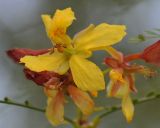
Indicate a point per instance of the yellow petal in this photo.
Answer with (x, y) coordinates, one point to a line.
(117, 89)
(114, 53)
(122, 91)
(64, 18)
(94, 93)
(128, 108)
(55, 109)
(86, 75)
(93, 38)
(50, 92)
(56, 27)
(117, 75)
(81, 99)
(56, 62)
(112, 88)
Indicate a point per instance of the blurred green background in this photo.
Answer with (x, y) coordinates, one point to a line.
(21, 26)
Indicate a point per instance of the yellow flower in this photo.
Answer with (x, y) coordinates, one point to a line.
(72, 54)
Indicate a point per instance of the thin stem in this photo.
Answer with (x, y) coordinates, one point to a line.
(22, 105)
(136, 101)
(28, 106)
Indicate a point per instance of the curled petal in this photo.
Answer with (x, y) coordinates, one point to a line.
(128, 108)
(131, 81)
(152, 54)
(55, 109)
(17, 53)
(56, 62)
(81, 99)
(111, 62)
(86, 75)
(99, 37)
(40, 78)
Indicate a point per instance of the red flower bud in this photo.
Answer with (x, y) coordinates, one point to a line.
(151, 54)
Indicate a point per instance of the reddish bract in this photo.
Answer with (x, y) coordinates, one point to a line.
(40, 78)
(17, 53)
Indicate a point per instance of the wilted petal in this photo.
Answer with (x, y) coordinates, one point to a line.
(152, 54)
(86, 75)
(131, 81)
(99, 37)
(17, 53)
(39, 78)
(128, 108)
(55, 109)
(56, 62)
(81, 99)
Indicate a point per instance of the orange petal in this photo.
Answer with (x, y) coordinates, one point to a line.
(94, 93)
(55, 109)
(81, 99)
(111, 62)
(131, 81)
(114, 53)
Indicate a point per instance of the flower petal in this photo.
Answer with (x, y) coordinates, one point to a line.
(86, 75)
(128, 108)
(55, 109)
(114, 53)
(93, 38)
(118, 89)
(117, 75)
(17, 53)
(56, 62)
(113, 88)
(50, 92)
(56, 27)
(40, 78)
(81, 99)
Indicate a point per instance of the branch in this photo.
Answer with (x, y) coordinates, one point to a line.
(150, 97)
(27, 105)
